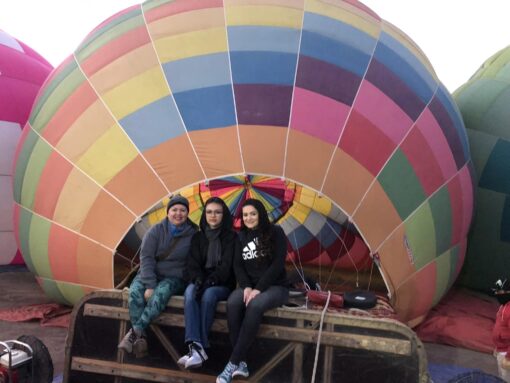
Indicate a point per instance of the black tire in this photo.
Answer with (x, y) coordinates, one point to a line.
(42, 363)
(475, 377)
(360, 299)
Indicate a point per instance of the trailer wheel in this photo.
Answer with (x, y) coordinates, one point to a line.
(42, 363)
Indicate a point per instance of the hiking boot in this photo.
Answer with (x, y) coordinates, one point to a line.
(198, 356)
(183, 359)
(226, 375)
(127, 342)
(140, 348)
(241, 371)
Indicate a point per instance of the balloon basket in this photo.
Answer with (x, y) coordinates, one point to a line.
(351, 348)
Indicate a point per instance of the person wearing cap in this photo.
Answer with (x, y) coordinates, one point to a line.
(163, 261)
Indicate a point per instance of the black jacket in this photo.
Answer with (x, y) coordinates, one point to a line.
(257, 271)
(224, 273)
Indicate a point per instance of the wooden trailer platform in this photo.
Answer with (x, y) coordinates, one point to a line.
(352, 348)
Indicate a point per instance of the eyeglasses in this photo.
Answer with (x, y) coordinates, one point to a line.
(213, 212)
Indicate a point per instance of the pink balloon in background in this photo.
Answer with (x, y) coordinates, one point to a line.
(22, 72)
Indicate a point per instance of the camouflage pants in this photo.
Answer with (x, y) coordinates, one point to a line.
(143, 313)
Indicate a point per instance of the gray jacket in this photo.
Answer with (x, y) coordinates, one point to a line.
(156, 243)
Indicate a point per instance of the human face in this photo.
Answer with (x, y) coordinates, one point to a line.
(214, 215)
(250, 217)
(177, 214)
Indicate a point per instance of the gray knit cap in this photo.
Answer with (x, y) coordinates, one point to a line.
(177, 200)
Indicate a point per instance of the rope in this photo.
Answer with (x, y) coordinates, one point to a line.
(300, 271)
(319, 337)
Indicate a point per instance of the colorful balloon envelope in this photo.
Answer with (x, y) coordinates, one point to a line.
(22, 72)
(170, 95)
(484, 102)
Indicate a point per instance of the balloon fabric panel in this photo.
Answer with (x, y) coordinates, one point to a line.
(433, 134)
(62, 248)
(53, 178)
(74, 78)
(34, 168)
(317, 115)
(136, 185)
(70, 110)
(422, 159)
(357, 181)
(302, 167)
(78, 187)
(442, 215)
(400, 183)
(10, 134)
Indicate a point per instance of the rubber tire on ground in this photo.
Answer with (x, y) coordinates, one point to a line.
(42, 363)
(475, 377)
(360, 299)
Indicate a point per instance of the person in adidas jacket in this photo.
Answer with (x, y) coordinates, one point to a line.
(259, 266)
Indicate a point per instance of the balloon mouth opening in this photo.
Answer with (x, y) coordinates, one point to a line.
(324, 251)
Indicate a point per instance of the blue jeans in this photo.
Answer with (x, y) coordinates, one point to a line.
(199, 316)
(143, 313)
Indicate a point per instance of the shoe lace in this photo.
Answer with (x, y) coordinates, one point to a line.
(231, 367)
(197, 348)
(190, 348)
(132, 336)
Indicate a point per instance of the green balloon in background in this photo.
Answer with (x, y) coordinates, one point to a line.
(484, 102)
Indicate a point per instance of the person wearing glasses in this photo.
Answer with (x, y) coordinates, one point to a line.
(259, 265)
(211, 275)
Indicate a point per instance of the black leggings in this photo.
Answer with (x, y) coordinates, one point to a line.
(244, 322)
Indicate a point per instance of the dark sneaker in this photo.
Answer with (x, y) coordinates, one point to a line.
(127, 342)
(198, 356)
(241, 371)
(140, 348)
(226, 375)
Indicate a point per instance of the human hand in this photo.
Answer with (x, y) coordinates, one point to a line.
(252, 295)
(247, 292)
(209, 282)
(148, 294)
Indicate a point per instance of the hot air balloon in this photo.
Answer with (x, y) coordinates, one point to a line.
(169, 96)
(484, 103)
(22, 72)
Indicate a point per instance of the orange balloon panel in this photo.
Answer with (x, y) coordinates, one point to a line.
(262, 148)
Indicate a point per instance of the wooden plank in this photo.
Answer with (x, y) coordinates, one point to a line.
(356, 321)
(272, 363)
(329, 338)
(167, 345)
(134, 371)
(328, 359)
(297, 371)
(122, 332)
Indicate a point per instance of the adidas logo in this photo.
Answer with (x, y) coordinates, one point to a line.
(250, 250)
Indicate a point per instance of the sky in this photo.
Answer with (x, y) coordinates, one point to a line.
(457, 36)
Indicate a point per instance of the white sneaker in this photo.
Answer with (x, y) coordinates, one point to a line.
(183, 359)
(198, 356)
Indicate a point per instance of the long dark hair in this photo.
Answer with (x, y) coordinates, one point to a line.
(226, 221)
(264, 226)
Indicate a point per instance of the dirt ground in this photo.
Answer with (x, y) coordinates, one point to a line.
(20, 289)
